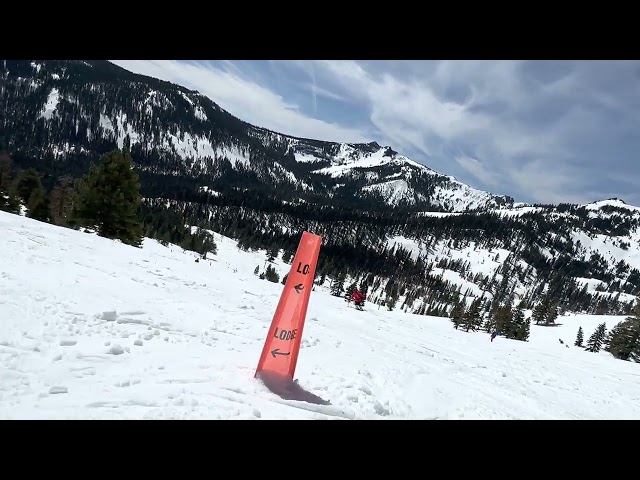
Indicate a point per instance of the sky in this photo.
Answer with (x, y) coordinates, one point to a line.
(540, 131)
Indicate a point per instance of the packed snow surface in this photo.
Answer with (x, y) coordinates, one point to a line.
(94, 329)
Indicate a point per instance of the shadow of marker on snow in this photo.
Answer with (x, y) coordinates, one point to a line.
(287, 389)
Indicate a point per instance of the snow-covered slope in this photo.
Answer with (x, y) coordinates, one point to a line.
(612, 203)
(396, 177)
(91, 328)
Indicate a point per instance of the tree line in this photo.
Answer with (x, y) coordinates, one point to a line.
(106, 200)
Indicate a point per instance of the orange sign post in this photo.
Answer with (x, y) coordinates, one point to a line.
(281, 347)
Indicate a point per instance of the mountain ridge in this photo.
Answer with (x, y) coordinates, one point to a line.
(198, 145)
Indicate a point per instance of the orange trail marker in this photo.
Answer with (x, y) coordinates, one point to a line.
(281, 347)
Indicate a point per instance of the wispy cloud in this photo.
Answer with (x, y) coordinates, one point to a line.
(314, 89)
(322, 92)
(475, 168)
(246, 99)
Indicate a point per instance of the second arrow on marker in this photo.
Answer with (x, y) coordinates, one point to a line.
(277, 351)
(298, 287)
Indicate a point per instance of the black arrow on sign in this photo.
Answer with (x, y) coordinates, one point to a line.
(298, 287)
(278, 352)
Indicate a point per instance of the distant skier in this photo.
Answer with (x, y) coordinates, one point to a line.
(358, 299)
(494, 335)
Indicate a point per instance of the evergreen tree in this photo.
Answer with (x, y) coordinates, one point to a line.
(624, 339)
(338, 284)
(456, 314)
(504, 321)
(6, 165)
(551, 314)
(271, 274)
(594, 344)
(38, 205)
(6, 202)
(25, 183)
(580, 338)
(272, 253)
(538, 313)
(287, 255)
(108, 199)
(284, 279)
(490, 323)
(471, 319)
(520, 326)
(27, 187)
(10, 201)
(541, 310)
(62, 200)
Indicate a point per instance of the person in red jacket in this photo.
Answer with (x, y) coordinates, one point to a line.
(358, 299)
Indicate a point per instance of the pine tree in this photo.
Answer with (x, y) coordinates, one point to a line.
(287, 255)
(6, 165)
(594, 344)
(338, 285)
(272, 254)
(7, 203)
(10, 201)
(271, 274)
(520, 326)
(471, 319)
(108, 199)
(256, 270)
(27, 187)
(580, 338)
(551, 314)
(504, 321)
(38, 205)
(62, 200)
(540, 311)
(490, 323)
(284, 279)
(25, 183)
(456, 314)
(623, 341)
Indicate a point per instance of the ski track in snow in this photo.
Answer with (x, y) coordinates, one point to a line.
(94, 329)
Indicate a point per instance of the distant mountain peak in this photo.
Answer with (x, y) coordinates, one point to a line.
(611, 202)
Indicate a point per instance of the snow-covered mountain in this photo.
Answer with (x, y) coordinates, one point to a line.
(76, 109)
(395, 177)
